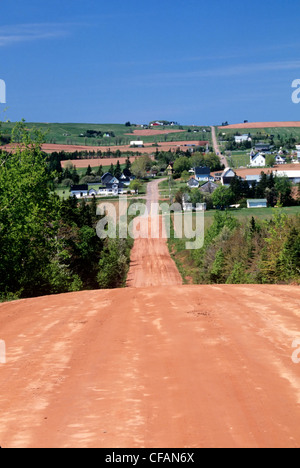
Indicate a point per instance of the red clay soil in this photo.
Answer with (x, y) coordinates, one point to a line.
(159, 366)
(151, 263)
(262, 125)
(173, 366)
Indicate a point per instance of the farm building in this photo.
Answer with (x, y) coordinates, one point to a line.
(294, 176)
(137, 144)
(263, 148)
(259, 203)
(79, 191)
(227, 176)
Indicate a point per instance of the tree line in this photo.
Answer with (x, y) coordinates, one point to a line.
(49, 245)
(251, 252)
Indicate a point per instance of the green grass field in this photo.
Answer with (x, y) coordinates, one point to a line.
(244, 215)
(265, 132)
(69, 134)
(239, 159)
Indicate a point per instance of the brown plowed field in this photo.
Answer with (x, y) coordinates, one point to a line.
(159, 366)
(263, 125)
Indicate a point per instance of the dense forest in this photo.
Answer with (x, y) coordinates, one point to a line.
(49, 245)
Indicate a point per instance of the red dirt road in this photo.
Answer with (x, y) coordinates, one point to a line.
(171, 366)
(151, 263)
(159, 366)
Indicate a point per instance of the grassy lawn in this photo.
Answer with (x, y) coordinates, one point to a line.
(239, 159)
(166, 188)
(245, 214)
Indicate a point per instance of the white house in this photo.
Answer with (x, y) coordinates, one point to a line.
(259, 160)
(193, 183)
(202, 174)
(280, 159)
(242, 139)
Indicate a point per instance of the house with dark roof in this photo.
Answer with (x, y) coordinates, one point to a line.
(263, 148)
(79, 191)
(106, 178)
(193, 183)
(202, 174)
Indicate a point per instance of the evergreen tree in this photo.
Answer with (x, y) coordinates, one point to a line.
(89, 171)
(118, 170)
(128, 163)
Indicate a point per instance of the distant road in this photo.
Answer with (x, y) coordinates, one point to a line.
(216, 147)
(151, 262)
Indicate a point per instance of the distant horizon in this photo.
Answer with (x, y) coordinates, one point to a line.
(140, 124)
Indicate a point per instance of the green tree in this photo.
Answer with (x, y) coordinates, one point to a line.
(182, 164)
(89, 171)
(114, 264)
(141, 166)
(223, 197)
(118, 170)
(135, 185)
(270, 160)
(284, 189)
(27, 231)
(185, 176)
(196, 196)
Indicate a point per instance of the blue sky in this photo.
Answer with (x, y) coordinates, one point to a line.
(193, 61)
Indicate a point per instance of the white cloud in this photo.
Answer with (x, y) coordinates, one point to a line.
(14, 34)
